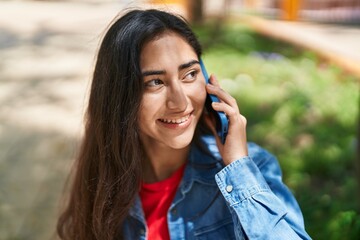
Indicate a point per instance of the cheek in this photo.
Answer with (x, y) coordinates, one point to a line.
(145, 122)
(148, 109)
(144, 114)
(198, 94)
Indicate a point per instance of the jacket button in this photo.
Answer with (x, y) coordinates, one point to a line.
(229, 188)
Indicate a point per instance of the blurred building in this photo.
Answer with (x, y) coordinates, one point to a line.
(328, 11)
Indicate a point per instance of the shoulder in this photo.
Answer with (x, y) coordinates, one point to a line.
(261, 157)
(265, 161)
(207, 153)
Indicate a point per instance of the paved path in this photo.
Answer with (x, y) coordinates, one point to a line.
(46, 57)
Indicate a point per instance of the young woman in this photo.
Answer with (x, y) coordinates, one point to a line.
(149, 167)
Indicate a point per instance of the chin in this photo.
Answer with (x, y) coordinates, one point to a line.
(179, 142)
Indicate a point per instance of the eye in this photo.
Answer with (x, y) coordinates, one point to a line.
(191, 76)
(154, 83)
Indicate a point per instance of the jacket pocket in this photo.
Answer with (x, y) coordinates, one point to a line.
(222, 230)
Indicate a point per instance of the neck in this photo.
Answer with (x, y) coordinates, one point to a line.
(162, 162)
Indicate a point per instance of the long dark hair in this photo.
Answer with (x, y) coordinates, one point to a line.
(107, 172)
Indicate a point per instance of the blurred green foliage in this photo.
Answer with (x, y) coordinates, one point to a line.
(303, 110)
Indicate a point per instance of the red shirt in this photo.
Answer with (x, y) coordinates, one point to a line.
(156, 199)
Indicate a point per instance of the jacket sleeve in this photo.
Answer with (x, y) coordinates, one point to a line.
(260, 203)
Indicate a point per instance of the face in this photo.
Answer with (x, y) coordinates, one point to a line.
(174, 94)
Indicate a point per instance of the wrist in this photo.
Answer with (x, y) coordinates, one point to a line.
(231, 159)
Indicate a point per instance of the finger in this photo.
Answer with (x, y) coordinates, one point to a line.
(232, 113)
(221, 94)
(213, 80)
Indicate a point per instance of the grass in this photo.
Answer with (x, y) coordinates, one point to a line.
(303, 110)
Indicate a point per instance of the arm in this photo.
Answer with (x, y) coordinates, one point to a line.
(261, 205)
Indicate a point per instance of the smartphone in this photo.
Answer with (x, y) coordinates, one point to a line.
(222, 123)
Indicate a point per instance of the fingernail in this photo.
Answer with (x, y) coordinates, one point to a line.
(215, 104)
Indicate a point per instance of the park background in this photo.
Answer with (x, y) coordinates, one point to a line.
(292, 65)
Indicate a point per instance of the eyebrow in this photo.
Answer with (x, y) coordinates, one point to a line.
(160, 72)
(189, 64)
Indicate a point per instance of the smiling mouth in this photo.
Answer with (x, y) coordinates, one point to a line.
(175, 120)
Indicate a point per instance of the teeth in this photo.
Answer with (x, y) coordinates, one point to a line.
(177, 121)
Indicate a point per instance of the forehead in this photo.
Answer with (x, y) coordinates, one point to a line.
(165, 48)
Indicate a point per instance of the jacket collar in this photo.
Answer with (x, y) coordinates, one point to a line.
(204, 162)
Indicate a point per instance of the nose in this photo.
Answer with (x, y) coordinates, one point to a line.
(176, 98)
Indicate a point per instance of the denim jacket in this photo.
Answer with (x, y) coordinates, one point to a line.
(244, 200)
